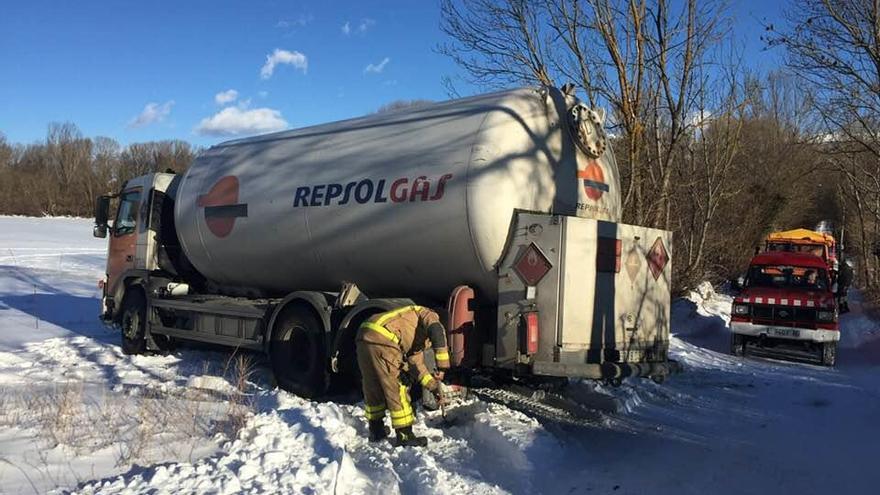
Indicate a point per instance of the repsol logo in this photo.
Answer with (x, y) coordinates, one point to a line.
(366, 191)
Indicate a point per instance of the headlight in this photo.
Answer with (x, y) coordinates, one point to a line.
(740, 309)
(825, 315)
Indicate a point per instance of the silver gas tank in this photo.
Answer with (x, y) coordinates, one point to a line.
(409, 203)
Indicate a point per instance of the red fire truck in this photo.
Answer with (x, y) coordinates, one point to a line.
(786, 308)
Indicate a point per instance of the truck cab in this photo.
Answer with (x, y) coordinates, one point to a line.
(142, 206)
(786, 308)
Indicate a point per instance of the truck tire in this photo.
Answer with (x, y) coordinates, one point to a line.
(829, 353)
(133, 322)
(298, 354)
(737, 345)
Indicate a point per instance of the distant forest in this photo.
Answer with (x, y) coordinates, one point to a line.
(63, 174)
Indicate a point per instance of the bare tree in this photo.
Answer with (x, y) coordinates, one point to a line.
(833, 46)
(637, 56)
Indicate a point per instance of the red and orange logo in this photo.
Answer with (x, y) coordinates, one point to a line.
(222, 207)
(593, 181)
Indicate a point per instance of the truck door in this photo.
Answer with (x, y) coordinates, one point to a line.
(123, 241)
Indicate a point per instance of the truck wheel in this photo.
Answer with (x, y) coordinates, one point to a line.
(737, 345)
(829, 353)
(298, 355)
(133, 323)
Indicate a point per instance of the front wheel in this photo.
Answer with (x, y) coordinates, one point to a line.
(829, 353)
(298, 355)
(133, 324)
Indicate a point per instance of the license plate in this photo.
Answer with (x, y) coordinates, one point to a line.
(785, 332)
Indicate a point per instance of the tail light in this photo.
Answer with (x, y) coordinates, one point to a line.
(532, 332)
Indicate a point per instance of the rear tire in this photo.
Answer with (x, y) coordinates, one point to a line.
(737, 345)
(133, 322)
(829, 353)
(298, 354)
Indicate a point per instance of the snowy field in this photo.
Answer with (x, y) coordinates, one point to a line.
(76, 415)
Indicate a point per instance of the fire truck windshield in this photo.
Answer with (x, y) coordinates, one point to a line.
(787, 277)
(814, 249)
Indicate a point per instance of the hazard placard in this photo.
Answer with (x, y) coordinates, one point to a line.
(657, 258)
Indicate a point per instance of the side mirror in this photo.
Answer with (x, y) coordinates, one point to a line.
(102, 212)
(834, 287)
(740, 282)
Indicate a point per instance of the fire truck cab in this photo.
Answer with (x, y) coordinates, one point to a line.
(787, 308)
(804, 241)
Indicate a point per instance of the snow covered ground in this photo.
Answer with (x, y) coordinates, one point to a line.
(77, 415)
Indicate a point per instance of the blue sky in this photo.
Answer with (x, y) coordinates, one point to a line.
(138, 71)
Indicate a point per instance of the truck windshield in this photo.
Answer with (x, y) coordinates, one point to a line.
(814, 249)
(787, 277)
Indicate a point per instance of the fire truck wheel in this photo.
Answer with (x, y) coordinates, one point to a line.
(297, 352)
(737, 345)
(829, 353)
(133, 323)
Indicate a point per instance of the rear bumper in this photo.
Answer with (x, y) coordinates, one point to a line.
(606, 371)
(770, 331)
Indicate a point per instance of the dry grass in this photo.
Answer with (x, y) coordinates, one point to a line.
(142, 425)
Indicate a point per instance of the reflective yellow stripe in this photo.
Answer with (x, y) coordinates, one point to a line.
(425, 380)
(391, 314)
(382, 330)
(441, 356)
(375, 415)
(402, 422)
(404, 400)
(380, 407)
(403, 417)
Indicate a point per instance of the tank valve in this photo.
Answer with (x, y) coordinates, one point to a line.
(586, 127)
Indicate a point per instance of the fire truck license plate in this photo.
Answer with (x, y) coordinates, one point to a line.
(785, 332)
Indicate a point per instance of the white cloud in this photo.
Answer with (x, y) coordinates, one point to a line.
(152, 113)
(279, 57)
(365, 24)
(225, 97)
(361, 27)
(377, 68)
(300, 21)
(233, 121)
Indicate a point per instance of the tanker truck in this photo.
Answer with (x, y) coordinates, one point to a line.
(500, 210)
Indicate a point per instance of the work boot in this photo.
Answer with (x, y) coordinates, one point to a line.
(406, 438)
(378, 430)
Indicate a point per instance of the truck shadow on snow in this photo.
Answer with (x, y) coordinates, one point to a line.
(75, 313)
(93, 341)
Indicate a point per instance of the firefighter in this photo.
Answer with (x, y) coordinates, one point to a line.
(844, 281)
(390, 355)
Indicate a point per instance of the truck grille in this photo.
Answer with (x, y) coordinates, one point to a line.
(783, 314)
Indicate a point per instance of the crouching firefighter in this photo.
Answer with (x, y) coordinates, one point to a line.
(390, 355)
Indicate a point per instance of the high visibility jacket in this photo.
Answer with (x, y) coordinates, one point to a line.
(411, 329)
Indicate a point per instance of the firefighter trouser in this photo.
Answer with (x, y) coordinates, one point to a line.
(380, 368)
